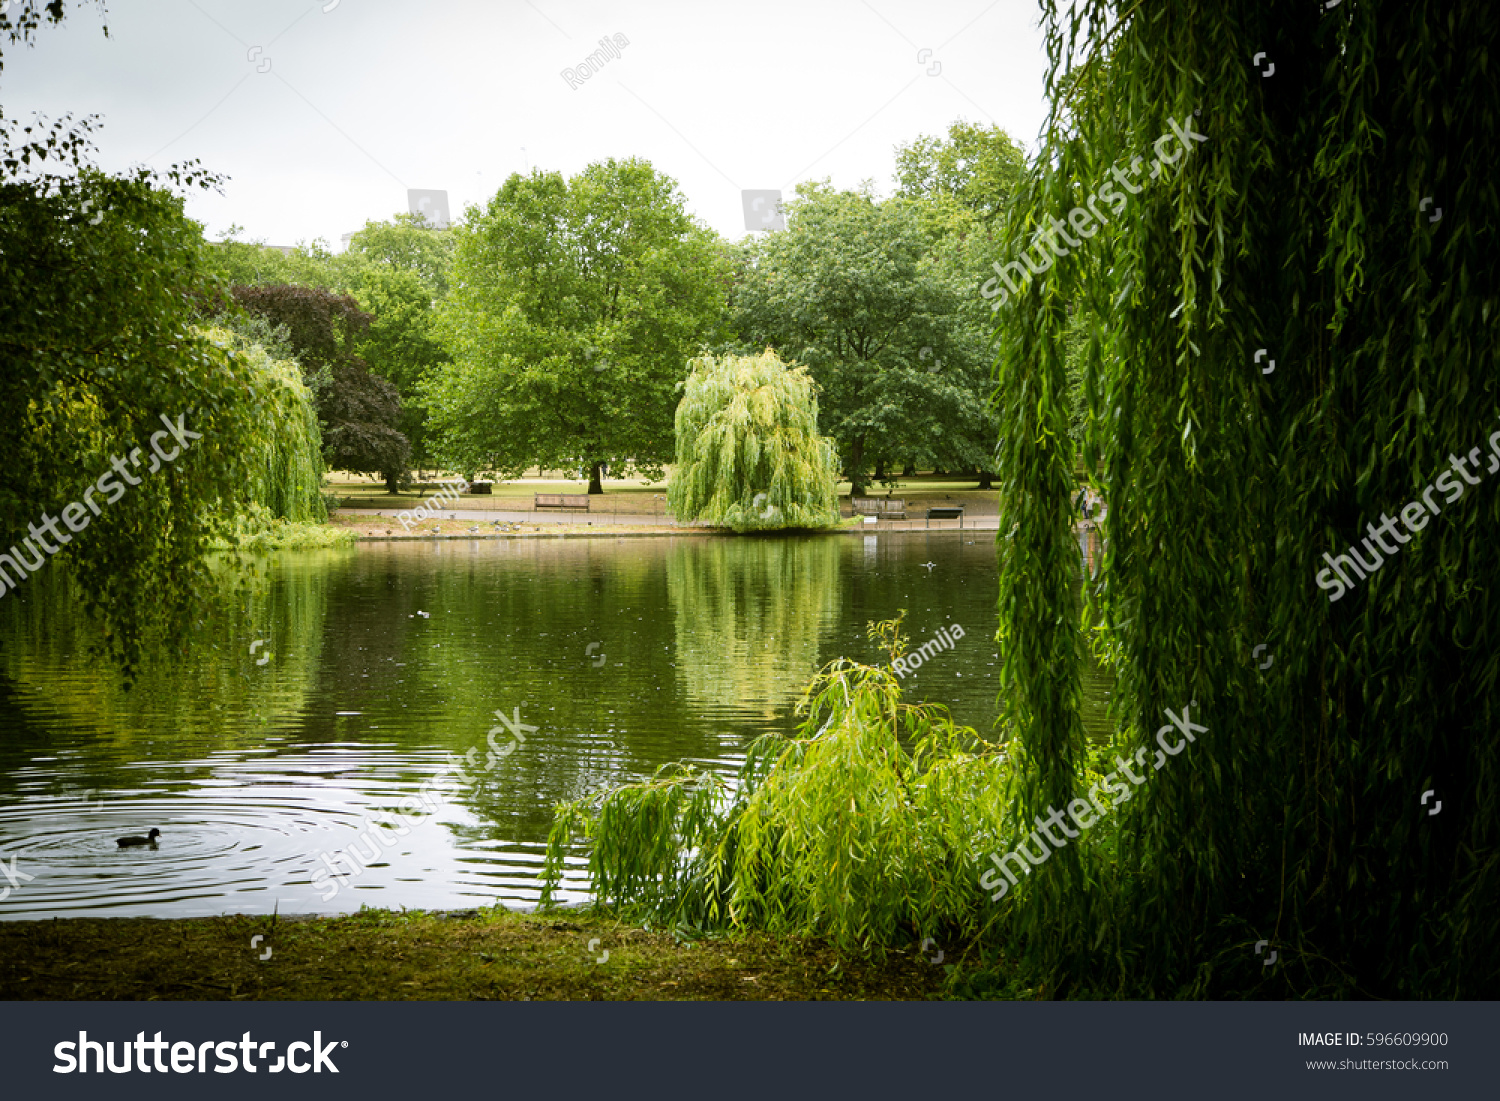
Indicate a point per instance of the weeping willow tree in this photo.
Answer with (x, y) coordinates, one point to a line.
(749, 456)
(283, 502)
(1293, 347)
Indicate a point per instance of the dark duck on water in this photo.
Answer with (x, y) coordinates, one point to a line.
(132, 842)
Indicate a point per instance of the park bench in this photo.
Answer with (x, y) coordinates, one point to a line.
(946, 512)
(892, 508)
(561, 500)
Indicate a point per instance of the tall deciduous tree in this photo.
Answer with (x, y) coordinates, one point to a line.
(396, 271)
(400, 344)
(968, 179)
(575, 307)
(749, 456)
(402, 244)
(1336, 217)
(893, 337)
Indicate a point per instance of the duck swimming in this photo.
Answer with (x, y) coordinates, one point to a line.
(131, 842)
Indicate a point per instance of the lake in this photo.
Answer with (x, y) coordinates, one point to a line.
(340, 682)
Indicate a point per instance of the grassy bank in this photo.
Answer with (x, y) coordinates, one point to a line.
(381, 955)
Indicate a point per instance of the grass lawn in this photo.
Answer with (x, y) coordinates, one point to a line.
(382, 955)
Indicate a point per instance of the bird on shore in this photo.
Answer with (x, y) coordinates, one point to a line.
(133, 842)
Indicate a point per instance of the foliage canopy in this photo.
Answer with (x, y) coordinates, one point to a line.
(358, 409)
(1298, 227)
(575, 307)
(749, 456)
(859, 829)
(853, 289)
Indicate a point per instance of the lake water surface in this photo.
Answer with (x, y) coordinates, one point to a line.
(344, 680)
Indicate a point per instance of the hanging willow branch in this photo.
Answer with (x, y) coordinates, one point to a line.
(286, 465)
(1288, 344)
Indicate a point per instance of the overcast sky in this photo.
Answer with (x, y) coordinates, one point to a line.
(324, 119)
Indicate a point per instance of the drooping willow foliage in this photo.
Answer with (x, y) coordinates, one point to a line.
(860, 829)
(749, 456)
(284, 502)
(1342, 216)
(287, 476)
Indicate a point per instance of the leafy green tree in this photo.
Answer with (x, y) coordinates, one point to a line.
(358, 410)
(893, 338)
(254, 263)
(286, 474)
(859, 830)
(749, 456)
(401, 343)
(97, 354)
(402, 244)
(575, 307)
(1323, 707)
(964, 183)
(396, 271)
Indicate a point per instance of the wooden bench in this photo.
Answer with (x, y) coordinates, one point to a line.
(946, 512)
(561, 500)
(892, 508)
